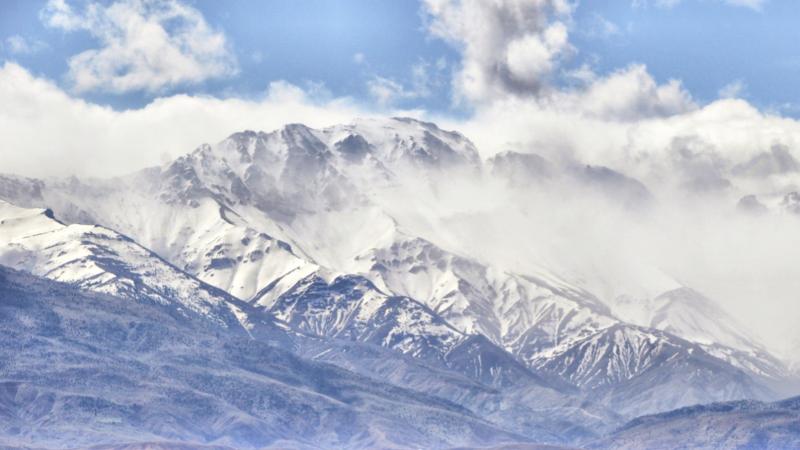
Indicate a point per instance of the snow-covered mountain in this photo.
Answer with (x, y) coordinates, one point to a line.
(337, 239)
(351, 307)
(82, 368)
(563, 331)
(531, 171)
(107, 263)
(397, 322)
(100, 260)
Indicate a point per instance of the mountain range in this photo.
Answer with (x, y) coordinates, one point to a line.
(314, 289)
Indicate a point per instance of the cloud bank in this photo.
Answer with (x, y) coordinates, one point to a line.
(49, 132)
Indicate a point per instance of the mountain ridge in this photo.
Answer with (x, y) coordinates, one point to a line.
(305, 232)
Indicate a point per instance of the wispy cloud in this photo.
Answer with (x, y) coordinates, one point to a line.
(425, 77)
(386, 91)
(19, 45)
(734, 89)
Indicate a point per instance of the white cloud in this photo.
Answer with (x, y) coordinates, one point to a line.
(59, 14)
(18, 45)
(48, 132)
(576, 128)
(386, 91)
(509, 47)
(631, 94)
(681, 154)
(425, 77)
(144, 45)
(359, 58)
(512, 49)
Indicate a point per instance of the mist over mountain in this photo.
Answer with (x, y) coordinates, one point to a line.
(426, 224)
(378, 274)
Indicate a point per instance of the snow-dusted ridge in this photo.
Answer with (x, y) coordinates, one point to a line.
(86, 369)
(315, 229)
(100, 260)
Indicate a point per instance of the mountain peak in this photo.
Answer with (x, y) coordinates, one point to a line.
(16, 222)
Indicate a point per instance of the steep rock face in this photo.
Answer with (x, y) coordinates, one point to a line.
(205, 208)
(194, 228)
(692, 316)
(451, 286)
(285, 171)
(542, 315)
(611, 356)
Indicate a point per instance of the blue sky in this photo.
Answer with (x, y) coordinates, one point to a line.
(706, 44)
(338, 48)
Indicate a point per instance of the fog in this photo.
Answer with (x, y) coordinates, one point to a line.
(614, 242)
